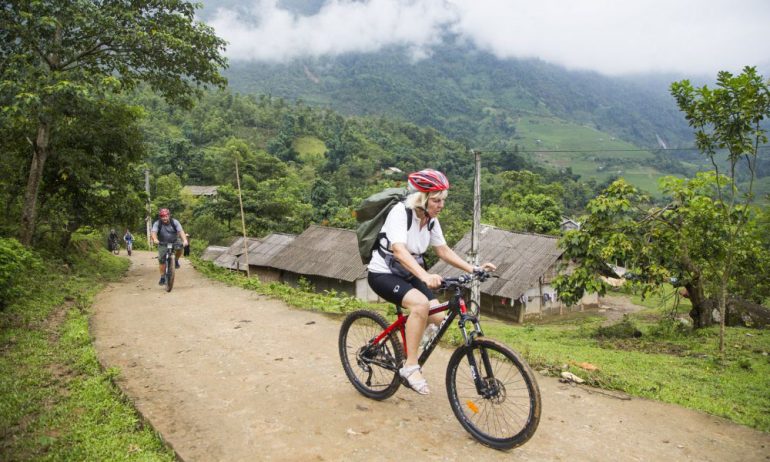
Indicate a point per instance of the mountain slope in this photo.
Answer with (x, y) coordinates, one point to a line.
(470, 95)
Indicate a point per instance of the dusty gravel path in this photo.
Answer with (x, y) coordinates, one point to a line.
(225, 374)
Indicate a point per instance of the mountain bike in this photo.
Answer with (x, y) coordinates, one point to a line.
(168, 260)
(491, 389)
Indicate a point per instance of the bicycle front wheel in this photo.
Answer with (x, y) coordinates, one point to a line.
(170, 274)
(504, 411)
(371, 368)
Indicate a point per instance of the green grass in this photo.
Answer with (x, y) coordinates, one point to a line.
(58, 404)
(598, 156)
(669, 362)
(309, 147)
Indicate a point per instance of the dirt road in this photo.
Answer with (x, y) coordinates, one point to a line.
(225, 374)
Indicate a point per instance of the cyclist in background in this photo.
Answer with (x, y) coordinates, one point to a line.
(397, 271)
(167, 230)
(112, 240)
(129, 240)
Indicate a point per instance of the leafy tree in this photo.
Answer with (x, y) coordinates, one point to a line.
(168, 194)
(706, 236)
(54, 53)
(728, 118)
(534, 213)
(94, 181)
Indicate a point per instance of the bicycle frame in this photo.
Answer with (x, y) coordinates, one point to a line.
(168, 257)
(456, 307)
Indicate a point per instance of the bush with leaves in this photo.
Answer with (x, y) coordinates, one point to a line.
(16, 264)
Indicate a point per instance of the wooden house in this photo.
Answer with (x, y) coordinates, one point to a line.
(526, 266)
(260, 254)
(328, 259)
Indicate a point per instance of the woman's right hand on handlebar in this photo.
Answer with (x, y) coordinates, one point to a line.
(433, 281)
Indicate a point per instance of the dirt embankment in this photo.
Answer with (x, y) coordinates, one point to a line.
(229, 375)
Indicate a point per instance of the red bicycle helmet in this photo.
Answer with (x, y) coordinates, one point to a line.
(164, 213)
(428, 180)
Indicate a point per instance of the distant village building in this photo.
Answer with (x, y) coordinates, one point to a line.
(212, 252)
(526, 266)
(328, 258)
(568, 224)
(229, 258)
(206, 191)
(260, 254)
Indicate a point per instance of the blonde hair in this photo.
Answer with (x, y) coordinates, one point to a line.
(419, 199)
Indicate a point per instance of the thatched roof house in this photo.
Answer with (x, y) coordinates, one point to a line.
(212, 252)
(526, 265)
(328, 258)
(229, 258)
(261, 253)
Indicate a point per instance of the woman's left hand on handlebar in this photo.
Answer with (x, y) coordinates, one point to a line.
(433, 281)
(488, 267)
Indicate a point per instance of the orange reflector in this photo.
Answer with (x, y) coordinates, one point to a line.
(472, 407)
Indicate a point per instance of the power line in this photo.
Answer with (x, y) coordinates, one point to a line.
(551, 151)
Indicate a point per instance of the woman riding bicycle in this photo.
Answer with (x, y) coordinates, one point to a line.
(397, 272)
(167, 230)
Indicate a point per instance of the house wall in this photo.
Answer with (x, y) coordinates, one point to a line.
(532, 304)
(320, 283)
(265, 274)
(364, 291)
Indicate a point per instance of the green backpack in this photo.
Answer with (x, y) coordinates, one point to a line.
(371, 215)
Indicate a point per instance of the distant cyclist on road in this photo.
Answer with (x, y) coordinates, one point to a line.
(112, 240)
(129, 240)
(167, 230)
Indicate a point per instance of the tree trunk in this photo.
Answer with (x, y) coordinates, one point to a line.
(701, 310)
(722, 315)
(40, 153)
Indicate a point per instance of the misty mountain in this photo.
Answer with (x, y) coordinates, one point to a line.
(471, 95)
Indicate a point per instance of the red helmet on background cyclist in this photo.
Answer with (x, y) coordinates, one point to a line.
(428, 180)
(164, 213)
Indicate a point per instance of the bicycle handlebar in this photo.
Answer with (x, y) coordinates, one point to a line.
(464, 279)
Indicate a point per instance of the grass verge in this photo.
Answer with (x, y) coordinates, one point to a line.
(57, 403)
(648, 354)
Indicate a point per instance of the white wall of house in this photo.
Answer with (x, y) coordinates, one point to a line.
(364, 292)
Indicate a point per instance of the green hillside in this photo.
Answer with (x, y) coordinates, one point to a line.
(489, 104)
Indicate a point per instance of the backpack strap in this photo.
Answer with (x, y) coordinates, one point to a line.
(385, 250)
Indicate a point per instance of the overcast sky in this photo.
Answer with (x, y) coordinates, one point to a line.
(614, 37)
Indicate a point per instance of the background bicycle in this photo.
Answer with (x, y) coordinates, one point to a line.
(491, 389)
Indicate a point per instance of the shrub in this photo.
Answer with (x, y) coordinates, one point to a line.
(16, 263)
(624, 329)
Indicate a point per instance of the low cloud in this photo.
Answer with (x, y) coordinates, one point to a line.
(608, 36)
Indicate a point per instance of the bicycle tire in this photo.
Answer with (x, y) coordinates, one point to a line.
(510, 414)
(372, 369)
(169, 273)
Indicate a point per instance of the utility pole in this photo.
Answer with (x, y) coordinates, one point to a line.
(148, 218)
(475, 230)
(243, 219)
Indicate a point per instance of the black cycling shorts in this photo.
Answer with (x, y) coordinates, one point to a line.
(393, 288)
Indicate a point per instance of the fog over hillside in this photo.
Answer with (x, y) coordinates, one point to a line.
(690, 37)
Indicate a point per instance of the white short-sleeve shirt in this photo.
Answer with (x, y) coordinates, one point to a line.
(417, 240)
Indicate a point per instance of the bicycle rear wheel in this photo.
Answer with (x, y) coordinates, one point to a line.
(506, 412)
(169, 273)
(371, 368)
